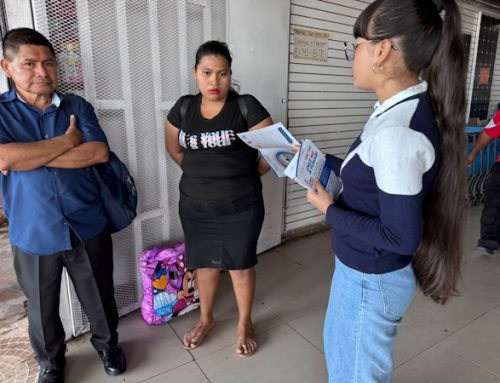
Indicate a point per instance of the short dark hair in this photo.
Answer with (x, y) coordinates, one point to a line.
(14, 38)
(213, 48)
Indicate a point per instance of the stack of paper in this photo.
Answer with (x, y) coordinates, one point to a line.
(276, 144)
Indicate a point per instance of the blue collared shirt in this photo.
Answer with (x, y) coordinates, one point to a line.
(43, 204)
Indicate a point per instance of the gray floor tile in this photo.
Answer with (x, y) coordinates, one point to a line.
(188, 373)
(283, 357)
(486, 262)
(300, 250)
(479, 342)
(293, 292)
(272, 261)
(310, 326)
(438, 321)
(440, 365)
(150, 350)
(410, 342)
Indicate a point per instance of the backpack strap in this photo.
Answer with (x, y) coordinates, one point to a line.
(184, 105)
(242, 103)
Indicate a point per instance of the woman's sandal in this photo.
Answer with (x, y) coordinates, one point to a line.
(194, 337)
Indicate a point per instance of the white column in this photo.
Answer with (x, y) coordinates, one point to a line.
(19, 13)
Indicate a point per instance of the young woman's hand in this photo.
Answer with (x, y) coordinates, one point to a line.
(320, 199)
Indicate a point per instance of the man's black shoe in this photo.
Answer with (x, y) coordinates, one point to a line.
(51, 375)
(113, 359)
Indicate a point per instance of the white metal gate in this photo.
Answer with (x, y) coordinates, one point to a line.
(132, 60)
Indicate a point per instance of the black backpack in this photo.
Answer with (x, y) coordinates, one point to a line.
(118, 192)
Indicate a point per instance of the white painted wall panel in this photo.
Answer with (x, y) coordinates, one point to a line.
(251, 24)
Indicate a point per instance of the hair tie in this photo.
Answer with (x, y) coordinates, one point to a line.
(439, 5)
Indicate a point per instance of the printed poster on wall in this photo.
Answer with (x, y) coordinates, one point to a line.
(310, 45)
(484, 76)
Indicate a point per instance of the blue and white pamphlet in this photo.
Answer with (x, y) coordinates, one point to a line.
(310, 164)
(276, 144)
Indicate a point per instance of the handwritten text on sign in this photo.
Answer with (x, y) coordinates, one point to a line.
(310, 45)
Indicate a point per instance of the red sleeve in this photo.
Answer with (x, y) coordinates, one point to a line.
(492, 129)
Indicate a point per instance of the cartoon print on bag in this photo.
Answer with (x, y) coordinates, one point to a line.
(188, 295)
(164, 291)
(174, 288)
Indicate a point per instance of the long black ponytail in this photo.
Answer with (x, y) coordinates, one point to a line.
(438, 258)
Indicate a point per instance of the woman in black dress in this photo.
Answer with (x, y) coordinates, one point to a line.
(221, 206)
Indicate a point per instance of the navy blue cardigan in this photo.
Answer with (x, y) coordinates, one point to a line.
(377, 221)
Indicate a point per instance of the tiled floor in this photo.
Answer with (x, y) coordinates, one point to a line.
(456, 343)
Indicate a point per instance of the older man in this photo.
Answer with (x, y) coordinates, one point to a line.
(47, 142)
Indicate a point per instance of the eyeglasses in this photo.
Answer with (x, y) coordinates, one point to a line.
(350, 48)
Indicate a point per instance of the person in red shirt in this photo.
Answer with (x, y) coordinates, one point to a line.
(490, 217)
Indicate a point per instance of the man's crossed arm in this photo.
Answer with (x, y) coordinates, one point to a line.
(65, 151)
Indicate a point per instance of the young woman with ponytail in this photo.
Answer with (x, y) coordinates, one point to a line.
(397, 222)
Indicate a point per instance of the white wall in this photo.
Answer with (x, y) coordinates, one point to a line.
(258, 40)
(18, 13)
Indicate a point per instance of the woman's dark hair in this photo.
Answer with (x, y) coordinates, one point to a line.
(14, 38)
(432, 48)
(213, 48)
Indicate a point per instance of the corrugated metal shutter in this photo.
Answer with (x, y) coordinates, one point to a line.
(323, 104)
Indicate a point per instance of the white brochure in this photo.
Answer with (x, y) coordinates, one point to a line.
(275, 144)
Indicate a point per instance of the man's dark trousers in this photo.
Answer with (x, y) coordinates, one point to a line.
(90, 267)
(490, 217)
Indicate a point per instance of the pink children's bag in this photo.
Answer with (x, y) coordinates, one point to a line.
(169, 287)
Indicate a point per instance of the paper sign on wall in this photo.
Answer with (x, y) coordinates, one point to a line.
(310, 45)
